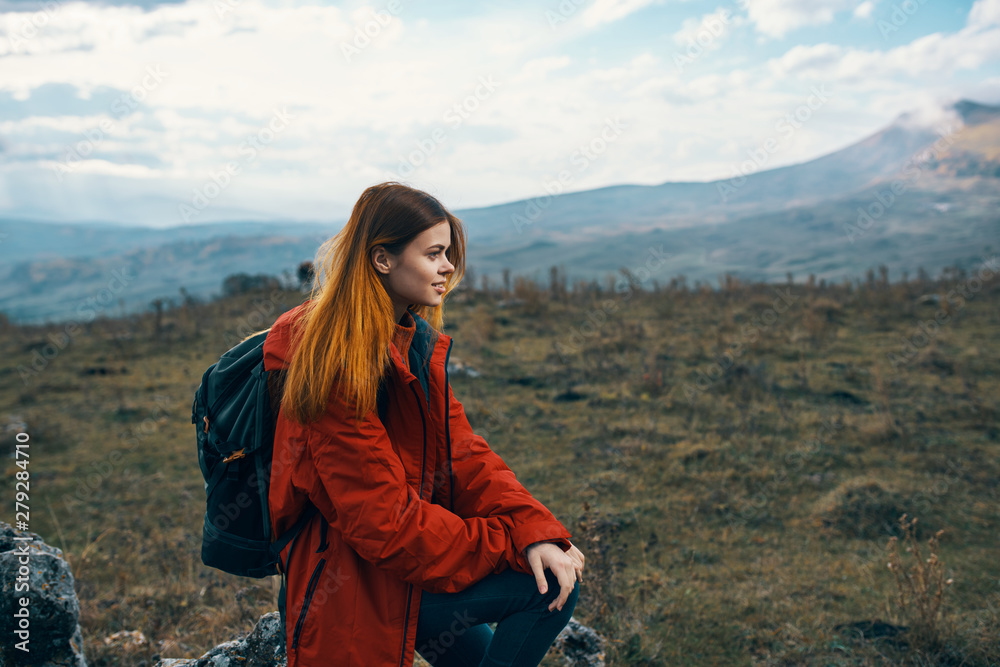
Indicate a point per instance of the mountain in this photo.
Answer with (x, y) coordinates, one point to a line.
(905, 197)
(32, 240)
(795, 218)
(676, 205)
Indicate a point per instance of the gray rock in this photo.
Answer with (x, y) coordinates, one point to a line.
(458, 367)
(263, 647)
(53, 632)
(580, 646)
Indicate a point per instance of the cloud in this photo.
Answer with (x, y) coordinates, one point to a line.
(930, 113)
(808, 61)
(607, 11)
(356, 121)
(707, 31)
(926, 57)
(984, 13)
(36, 5)
(864, 10)
(541, 67)
(776, 18)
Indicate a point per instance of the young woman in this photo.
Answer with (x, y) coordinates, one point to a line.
(423, 535)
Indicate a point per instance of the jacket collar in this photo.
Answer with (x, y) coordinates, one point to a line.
(422, 346)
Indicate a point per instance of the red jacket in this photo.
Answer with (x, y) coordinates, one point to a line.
(420, 503)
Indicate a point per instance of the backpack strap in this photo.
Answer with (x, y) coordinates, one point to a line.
(278, 545)
(276, 548)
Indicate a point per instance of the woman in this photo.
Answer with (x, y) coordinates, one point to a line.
(423, 534)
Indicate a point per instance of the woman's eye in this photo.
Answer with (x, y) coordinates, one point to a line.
(435, 253)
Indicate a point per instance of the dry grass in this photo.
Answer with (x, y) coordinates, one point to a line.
(921, 583)
(734, 509)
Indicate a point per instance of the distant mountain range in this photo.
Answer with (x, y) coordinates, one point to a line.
(908, 196)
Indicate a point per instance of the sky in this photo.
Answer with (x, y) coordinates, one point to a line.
(169, 113)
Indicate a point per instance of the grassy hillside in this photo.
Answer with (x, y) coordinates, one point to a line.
(734, 511)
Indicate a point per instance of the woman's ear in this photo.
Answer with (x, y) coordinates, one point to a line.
(381, 260)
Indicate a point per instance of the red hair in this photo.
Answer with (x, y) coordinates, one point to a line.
(343, 336)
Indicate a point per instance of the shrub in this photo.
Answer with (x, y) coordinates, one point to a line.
(922, 585)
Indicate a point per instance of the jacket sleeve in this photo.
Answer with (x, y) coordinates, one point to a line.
(485, 487)
(382, 518)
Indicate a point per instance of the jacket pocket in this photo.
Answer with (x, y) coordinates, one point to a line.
(310, 589)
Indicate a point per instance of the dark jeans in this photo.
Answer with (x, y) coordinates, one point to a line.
(452, 629)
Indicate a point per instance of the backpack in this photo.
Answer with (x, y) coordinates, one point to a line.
(234, 411)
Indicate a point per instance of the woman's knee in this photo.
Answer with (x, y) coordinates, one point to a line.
(555, 590)
(570, 603)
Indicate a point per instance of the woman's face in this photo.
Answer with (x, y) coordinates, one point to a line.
(411, 277)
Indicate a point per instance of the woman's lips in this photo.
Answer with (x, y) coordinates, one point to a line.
(439, 288)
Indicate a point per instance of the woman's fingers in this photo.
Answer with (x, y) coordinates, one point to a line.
(578, 561)
(566, 566)
(567, 579)
(538, 569)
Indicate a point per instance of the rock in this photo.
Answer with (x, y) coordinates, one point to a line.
(580, 646)
(458, 367)
(53, 621)
(263, 647)
(15, 424)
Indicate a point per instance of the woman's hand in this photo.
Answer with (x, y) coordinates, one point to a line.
(566, 565)
(578, 560)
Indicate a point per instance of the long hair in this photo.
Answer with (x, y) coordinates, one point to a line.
(348, 323)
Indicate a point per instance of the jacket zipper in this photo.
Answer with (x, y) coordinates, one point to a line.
(447, 431)
(409, 588)
(406, 624)
(310, 589)
(423, 460)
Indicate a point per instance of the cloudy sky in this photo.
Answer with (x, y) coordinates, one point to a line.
(181, 112)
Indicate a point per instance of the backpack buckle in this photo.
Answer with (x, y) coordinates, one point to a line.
(235, 455)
